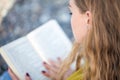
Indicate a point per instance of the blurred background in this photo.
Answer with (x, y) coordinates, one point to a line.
(19, 17)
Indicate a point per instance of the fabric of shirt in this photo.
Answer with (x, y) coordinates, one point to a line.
(78, 75)
(5, 76)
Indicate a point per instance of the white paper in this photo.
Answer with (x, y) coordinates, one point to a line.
(51, 41)
(28, 53)
(25, 59)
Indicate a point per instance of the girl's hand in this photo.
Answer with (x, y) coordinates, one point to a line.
(14, 77)
(53, 68)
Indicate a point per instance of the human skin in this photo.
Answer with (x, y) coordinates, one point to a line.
(80, 23)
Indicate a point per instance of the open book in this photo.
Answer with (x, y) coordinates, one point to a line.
(28, 53)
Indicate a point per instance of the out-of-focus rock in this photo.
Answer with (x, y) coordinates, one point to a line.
(5, 5)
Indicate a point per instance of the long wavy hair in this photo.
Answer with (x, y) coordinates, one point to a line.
(101, 47)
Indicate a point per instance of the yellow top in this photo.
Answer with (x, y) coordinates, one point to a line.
(78, 75)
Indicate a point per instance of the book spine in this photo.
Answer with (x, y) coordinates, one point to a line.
(8, 61)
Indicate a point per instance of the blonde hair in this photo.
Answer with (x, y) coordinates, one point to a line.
(101, 48)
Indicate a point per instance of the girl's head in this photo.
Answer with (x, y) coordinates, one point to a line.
(96, 28)
(80, 21)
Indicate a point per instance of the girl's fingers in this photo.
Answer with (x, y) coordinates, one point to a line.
(50, 74)
(47, 66)
(50, 67)
(59, 60)
(13, 76)
(27, 77)
(54, 63)
(47, 74)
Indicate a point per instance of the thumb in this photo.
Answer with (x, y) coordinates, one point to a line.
(12, 75)
(27, 77)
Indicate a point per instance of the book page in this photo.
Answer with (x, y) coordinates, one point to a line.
(50, 41)
(22, 58)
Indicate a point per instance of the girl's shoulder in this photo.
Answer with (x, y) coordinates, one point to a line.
(78, 75)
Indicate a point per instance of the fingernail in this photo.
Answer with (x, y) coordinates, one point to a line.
(7, 68)
(44, 63)
(43, 71)
(27, 74)
(58, 58)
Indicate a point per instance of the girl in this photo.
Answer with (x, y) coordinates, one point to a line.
(96, 28)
